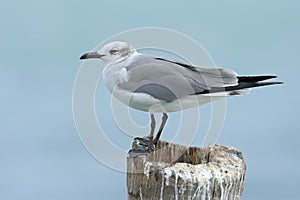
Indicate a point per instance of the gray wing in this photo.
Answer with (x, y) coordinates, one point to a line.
(170, 80)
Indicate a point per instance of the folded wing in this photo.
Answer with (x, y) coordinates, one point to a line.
(170, 80)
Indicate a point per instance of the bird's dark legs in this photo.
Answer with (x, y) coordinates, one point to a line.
(151, 132)
(146, 144)
(162, 125)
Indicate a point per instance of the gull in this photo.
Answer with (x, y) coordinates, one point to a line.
(160, 85)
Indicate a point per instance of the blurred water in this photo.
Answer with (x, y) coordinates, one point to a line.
(41, 156)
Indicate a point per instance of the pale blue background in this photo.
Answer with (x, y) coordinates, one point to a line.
(41, 156)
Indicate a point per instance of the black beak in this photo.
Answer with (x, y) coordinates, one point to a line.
(90, 55)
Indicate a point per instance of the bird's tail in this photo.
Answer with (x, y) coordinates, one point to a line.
(244, 83)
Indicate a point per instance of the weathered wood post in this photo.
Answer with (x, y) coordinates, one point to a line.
(178, 172)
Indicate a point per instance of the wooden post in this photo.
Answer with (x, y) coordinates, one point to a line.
(178, 172)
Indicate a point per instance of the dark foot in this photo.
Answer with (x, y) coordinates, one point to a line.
(141, 146)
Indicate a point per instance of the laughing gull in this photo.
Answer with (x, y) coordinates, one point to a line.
(160, 85)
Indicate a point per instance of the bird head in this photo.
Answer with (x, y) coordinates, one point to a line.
(111, 52)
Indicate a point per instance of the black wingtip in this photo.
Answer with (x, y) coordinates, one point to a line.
(259, 84)
(275, 82)
(254, 79)
(241, 86)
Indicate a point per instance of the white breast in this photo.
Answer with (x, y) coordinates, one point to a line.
(123, 76)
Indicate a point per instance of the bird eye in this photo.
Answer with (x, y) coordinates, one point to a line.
(114, 51)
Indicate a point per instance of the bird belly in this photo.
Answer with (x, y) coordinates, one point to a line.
(187, 102)
(139, 101)
(147, 103)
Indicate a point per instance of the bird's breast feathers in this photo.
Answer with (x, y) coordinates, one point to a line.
(123, 76)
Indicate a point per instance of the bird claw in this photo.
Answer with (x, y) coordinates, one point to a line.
(132, 153)
(145, 141)
(141, 146)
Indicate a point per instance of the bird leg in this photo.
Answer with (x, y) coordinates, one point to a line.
(162, 125)
(151, 132)
(145, 144)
